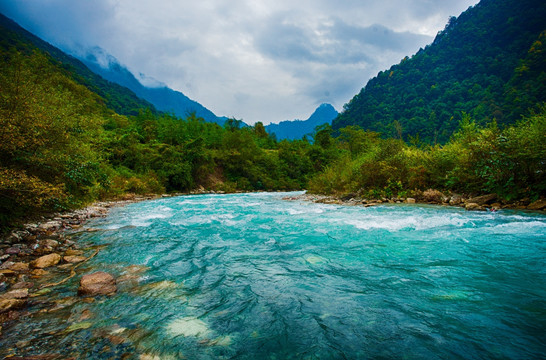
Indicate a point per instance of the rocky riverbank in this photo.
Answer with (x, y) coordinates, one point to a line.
(475, 203)
(39, 252)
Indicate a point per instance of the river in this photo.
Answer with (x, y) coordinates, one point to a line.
(251, 276)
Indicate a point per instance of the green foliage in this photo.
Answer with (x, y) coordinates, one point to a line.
(49, 132)
(477, 160)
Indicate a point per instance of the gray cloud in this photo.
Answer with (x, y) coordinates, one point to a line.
(259, 61)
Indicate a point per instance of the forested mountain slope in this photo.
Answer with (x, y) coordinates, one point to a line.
(488, 62)
(118, 98)
(162, 97)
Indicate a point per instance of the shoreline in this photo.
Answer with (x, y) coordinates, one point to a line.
(41, 251)
(489, 202)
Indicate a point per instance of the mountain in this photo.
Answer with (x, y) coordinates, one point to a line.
(163, 98)
(488, 63)
(296, 129)
(116, 97)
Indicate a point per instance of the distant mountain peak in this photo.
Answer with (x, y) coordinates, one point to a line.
(296, 129)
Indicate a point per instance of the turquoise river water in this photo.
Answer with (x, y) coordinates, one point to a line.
(251, 276)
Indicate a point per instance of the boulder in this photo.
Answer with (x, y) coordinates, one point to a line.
(46, 261)
(432, 195)
(483, 200)
(410, 200)
(98, 283)
(537, 205)
(455, 200)
(472, 206)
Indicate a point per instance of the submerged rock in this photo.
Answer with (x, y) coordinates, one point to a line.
(73, 259)
(23, 285)
(46, 261)
(10, 304)
(98, 283)
(313, 259)
(78, 326)
(188, 326)
(38, 272)
(72, 252)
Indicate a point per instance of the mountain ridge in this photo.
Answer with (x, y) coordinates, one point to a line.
(468, 68)
(296, 129)
(162, 97)
(116, 97)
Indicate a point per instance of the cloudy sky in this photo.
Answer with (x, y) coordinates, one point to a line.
(254, 60)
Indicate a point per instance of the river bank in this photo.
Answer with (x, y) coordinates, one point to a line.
(37, 253)
(488, 202)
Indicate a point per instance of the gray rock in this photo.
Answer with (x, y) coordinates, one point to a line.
(50, 225)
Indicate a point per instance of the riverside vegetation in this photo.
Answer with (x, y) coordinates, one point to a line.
(69, 138)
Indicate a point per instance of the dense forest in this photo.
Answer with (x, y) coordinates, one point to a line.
(61, 147)
(69, 137)
(488, 62)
